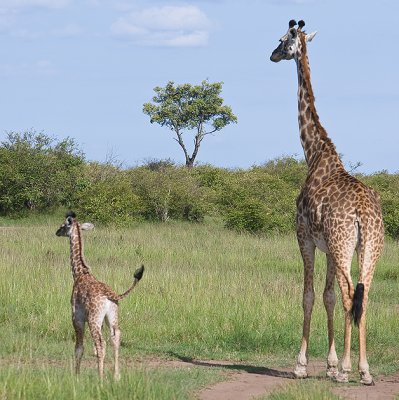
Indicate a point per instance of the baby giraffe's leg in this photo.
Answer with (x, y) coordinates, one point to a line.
(99, 343)
(79, 326)
(112, 321)
(78, 321)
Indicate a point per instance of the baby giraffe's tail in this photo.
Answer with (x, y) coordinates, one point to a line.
(137, 276)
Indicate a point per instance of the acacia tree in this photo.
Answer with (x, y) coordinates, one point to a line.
(190, 108)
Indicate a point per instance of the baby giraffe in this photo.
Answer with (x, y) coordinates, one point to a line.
(91, 300)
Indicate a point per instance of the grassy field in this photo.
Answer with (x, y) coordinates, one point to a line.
(207, 293)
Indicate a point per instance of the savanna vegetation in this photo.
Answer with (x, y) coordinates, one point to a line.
(39, 173)
(223, 272)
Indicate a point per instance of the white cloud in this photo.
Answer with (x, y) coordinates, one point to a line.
(164, 26)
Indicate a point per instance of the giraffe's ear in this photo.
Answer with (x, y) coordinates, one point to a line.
(310, 36)
(86, 226)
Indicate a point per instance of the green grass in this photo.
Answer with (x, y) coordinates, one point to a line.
(43, 382)
(206, 293)
(304, 390)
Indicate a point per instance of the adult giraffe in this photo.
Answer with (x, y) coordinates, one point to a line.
(335, 213)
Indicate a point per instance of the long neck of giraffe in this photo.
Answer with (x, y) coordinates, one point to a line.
(78, 264)
(317, 146)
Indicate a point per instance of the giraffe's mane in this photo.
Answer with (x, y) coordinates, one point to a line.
(306, 76)
(79, 234)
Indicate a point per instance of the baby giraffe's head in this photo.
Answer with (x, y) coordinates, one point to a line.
(70, 223)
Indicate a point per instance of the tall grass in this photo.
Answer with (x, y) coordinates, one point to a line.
(206, 293)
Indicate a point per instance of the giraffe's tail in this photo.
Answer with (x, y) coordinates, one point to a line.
(137, 276)
(357, 306)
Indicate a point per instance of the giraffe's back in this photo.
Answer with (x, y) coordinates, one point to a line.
(87, 290)
(339, 208)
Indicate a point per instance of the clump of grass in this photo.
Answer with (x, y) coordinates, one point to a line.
(304, 390)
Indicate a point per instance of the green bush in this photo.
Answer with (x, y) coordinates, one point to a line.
(37, 172)
(169, 192)
(105, 196)
(387, 185)
(257, 201)
(42, 173)
(249, 215)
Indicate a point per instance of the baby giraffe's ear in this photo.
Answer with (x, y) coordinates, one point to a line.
(86, 226)
(310, 36)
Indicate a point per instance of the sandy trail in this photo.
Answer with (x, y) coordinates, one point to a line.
(250, 382)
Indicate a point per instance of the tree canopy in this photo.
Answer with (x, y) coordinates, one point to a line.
(186, 107)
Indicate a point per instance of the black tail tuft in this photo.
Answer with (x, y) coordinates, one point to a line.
(357, 307)
(139, 273)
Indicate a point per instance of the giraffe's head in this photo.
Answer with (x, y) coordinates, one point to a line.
(70, 223)
(290, 44)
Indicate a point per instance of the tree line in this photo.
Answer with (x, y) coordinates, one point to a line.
(39, 173)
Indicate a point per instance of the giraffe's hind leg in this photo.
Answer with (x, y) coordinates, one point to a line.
(112, 321)
(79, 348)
(347, 291)
(367, 259)
(99, 343)
(78, 321)
(307, 248)
(329, 303)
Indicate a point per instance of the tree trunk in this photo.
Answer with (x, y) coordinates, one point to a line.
(189, 163)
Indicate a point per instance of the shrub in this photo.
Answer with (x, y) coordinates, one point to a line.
(258, 201)
(387, 185)
(37, 172)
(106, 196)
(169, 192)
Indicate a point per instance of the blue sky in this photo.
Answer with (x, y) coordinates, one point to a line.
(84, 68)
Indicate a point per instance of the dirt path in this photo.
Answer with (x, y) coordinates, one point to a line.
(251, 382)
(386, 388)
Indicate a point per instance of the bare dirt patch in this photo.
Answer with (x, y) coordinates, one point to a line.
(386, 388)
(252, 382)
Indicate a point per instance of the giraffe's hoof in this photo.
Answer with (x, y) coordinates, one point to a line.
(300, 372)
(332, 372)
(366, 379)
(342, 377)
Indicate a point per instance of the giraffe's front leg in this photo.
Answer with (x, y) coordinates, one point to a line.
(307, 250)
